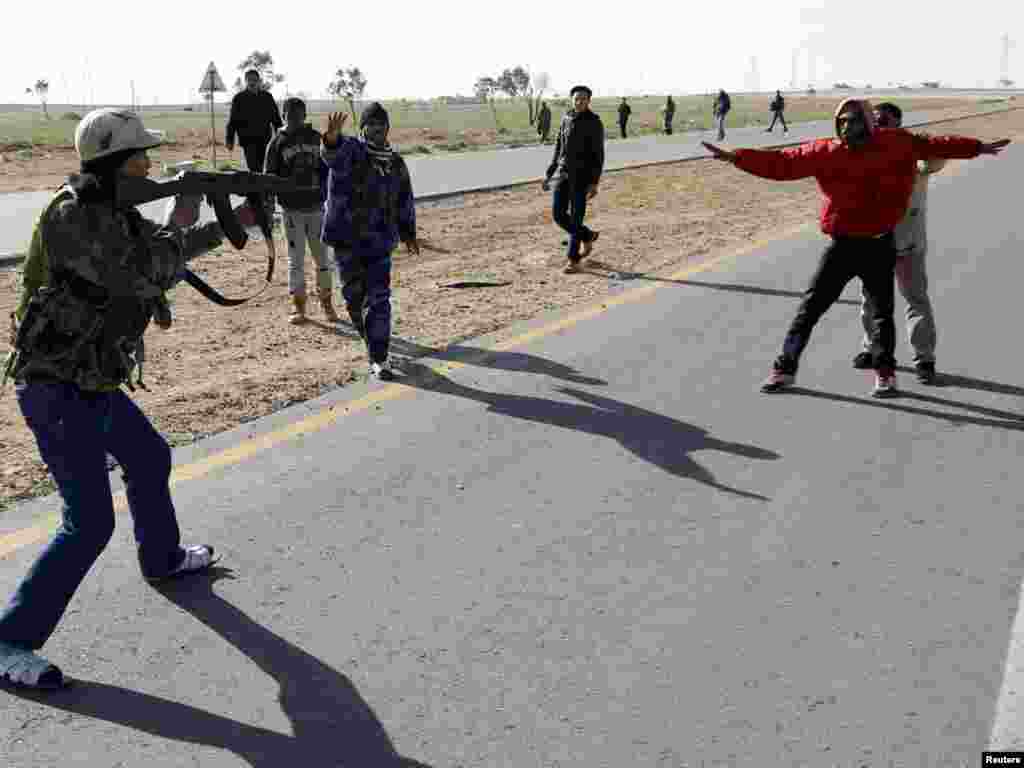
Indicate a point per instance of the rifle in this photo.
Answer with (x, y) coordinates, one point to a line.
(217, 188)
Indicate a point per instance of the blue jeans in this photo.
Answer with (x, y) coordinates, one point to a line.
(568, 207)
(75, 430)
(365, 276)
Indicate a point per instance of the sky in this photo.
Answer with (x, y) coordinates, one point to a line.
(94, 54)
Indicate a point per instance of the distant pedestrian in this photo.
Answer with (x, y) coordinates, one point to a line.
(670, 113)
(778, 108)
(574, 172)
(294, 153)
(722, 106)
(544, 122)
(624, 112)
(254, 118)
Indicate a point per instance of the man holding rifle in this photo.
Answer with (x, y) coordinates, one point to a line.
(94, 278)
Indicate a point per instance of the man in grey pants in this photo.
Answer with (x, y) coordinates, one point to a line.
(910, 238)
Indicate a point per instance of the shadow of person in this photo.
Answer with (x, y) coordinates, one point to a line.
(332, 725)
(945, 379)
(496, 359)
(1001, 419)
(657, 439)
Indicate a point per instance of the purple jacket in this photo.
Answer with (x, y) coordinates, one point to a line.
(365, 208)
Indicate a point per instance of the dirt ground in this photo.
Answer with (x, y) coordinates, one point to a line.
(218, 367)
(46, 167)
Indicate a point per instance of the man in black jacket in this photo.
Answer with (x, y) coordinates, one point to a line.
(575, 171)
(254, 117)
(778, 107)
(624, 112)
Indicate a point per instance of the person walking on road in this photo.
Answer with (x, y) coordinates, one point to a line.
(866, 177)
(94, 278)
(575, 172)
(369, 208)
(778, 108)
(910, 239)
(624, 112)
(254, 117)
(669, 111)
(294, 153)
(721, 108)
(544, 122)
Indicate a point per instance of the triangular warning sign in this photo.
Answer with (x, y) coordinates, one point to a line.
(211, 80)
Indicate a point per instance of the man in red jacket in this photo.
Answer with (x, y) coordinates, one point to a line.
(866, 176)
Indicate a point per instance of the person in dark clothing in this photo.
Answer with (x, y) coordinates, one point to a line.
(294, 153)
(624, 112)
(544, 122)
(670, 113)
(722, 106)
(574, 172)
(254, 118)
(778, 107)
(370, 207)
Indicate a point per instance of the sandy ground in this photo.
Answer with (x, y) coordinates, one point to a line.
(217, 367)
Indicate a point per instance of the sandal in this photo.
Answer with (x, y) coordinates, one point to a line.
(26, 670)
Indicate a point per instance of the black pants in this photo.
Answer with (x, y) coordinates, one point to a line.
(872, 259)
(255, 153)
(778, 116)
(668, 126)
(622, 128)
(568, 207)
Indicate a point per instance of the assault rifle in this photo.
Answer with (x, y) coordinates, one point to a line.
(217, 188)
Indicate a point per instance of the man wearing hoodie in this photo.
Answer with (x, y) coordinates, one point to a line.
(575, 171)
(910, 238)
(294, 153)
(866, 177)
(369, 208)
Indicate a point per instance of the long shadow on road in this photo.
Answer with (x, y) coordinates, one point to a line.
(660, 440)
(332, 725)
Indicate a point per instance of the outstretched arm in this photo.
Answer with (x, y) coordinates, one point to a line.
(780, 165)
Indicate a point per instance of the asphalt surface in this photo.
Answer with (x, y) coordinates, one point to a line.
(475, 170)
(601, 548)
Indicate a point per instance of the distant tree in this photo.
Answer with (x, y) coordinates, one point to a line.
(239, 85)
(1006, 83)
(42, 91)
(507, 83)
(485, 88)
(263, 63)
(930, 84)
(348, 84)
(540, 82)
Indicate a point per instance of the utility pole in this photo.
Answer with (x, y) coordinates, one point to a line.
(1004, 62)
(134, 108)
(793, 81)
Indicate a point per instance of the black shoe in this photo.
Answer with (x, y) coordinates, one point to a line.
(925, 372)
(863, 361)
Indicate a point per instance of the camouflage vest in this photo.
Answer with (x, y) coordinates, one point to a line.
(68, 328)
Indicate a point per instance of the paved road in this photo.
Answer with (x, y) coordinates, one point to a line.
(598, 548)
(474, 170)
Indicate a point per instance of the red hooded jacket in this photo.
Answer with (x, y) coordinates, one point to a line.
(866, 189)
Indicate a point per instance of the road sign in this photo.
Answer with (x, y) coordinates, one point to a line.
(211, 80)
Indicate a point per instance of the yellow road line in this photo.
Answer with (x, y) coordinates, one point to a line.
(42, 530)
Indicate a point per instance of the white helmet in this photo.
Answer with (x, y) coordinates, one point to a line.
(105, 131)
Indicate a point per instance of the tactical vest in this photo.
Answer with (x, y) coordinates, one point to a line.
(68, 328)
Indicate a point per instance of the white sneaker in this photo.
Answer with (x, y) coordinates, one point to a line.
(382, 371)
(197, 558)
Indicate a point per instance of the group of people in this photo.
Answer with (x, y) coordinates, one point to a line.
(97, 272)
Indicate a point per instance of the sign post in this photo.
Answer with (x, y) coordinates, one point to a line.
(211, 84)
